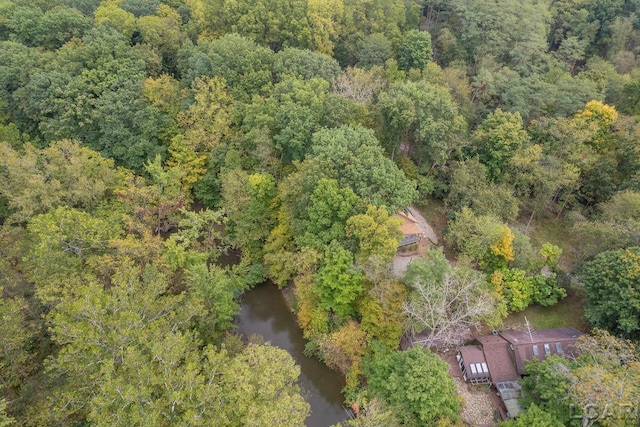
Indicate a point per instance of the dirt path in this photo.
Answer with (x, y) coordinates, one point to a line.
(424, 226)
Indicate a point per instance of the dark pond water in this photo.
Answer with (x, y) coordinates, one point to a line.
(265, 312)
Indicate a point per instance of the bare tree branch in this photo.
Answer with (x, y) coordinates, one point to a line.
(441, 314)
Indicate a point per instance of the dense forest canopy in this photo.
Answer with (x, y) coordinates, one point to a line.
(140, 140)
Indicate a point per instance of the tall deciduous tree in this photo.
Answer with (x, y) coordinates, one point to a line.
(326, 218)
(244, 66)
(612, 285)
(425, 118)
(471, 188)
(65, 173)
(15, 359)
(206, 122)
(109, 13)
(484, 239)
(63, 239)
(534, 416)
(249, 203)
(304, 64)
(377, 233)
(416, 384)
(338, 283)
(415, 50)
(128, 358)
(497, 139)
(445, 302)
(356, 160)
(512, 34)
(294, 111)
(276, 23)
(324, 22)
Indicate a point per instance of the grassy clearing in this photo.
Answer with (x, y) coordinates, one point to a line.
(557, 231)
(568, 312)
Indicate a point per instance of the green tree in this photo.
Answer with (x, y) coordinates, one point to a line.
(49, 29)
(541, 180)
(240, 62)
(162, 32)
(105, 337)
(485, 239)
(63, 239)
(64, 173)
(289, 117)
(304, 64)
(624, 206)
(25, 25)
(5, 420)
(415, 50)
(497, 139)
(16, 361)
(206, 123)
(534, 416)
(163, 198)
(514, 35)
(338, 283)
(425, 117)
(277, 24)
(361, 18)
(519, 290)
(374, 412)
(377, 233)
(355, 159)
(326, 218)
(128, 358)
(217, 289)
(279, 254)
(611, 283)
(94, 94)
(110, 13)
(248, 200)
(416, 384)
(140, 7)
(261, 387)
(603, 372)
(375, 49)
(383, 318)
(324, 22)
(470, 187)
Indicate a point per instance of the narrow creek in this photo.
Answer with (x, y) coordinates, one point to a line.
(265, 312)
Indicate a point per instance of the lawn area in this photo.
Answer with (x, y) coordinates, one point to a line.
(568, 312)
(557, 231)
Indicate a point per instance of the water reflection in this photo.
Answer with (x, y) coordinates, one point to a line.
(265, 312)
